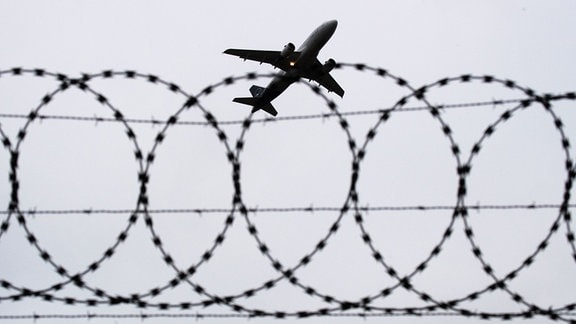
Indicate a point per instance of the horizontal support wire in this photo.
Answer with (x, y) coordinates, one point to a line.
(477, 207)
(151, 121)
(199, 316)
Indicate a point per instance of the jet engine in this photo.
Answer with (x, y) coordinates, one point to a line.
(328, 66)
(287, 50)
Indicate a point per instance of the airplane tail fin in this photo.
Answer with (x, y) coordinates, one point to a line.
(256, 92)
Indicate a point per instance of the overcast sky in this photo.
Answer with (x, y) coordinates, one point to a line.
(288, 164)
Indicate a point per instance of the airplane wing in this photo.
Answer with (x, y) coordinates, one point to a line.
(271, 57)
(324, 79)
(328, 82)
(276, 59)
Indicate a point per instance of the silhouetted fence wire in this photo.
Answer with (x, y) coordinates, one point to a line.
(200, 316)
(278, 118)
(361, 307)
(310, 209)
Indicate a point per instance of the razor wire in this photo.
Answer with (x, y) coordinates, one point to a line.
(351, 207)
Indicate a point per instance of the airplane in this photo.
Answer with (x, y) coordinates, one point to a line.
(296, 64)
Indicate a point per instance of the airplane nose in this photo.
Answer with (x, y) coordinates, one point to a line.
(329, 26)
(332, 23)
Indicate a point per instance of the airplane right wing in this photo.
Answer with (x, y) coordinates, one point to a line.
(271, 57)
(328, 82)
(321, 74)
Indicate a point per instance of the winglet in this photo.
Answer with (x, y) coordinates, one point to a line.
(251, 101)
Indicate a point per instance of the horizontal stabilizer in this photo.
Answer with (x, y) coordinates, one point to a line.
(250, 101)
(255, 101)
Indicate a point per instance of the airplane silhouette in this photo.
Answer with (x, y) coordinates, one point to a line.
(296, 64)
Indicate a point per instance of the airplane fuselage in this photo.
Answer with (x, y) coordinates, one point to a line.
(314, 43)
(308, 52)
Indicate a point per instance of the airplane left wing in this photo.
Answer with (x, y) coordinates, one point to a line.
(271, 57)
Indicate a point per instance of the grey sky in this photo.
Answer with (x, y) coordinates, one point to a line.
(305, 163)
